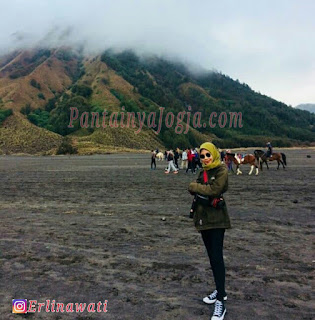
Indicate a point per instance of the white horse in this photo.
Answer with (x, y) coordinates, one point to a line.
(160, 156)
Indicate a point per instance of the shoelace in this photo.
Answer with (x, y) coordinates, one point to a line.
(213, 294)
(218, 308)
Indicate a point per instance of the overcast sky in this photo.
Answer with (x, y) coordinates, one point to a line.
(268, 44)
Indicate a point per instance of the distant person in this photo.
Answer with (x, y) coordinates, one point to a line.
(165, 155)
(190, 157)
(228, 161)
(222, 155)
(269, 150)
(176, 157)
(153, 157)
(193, 162)
(184, 160)
(170, 159)
(211, 219)
(198, 164)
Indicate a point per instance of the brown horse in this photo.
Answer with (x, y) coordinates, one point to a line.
(247, 159)
(262, 158)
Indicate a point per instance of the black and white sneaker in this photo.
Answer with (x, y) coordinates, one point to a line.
(219, 311)
(212, 298)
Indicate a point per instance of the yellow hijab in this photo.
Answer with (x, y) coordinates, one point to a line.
(215, 154)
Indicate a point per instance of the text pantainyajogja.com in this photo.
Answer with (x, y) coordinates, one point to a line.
(154, 120)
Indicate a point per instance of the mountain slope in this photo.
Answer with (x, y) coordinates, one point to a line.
(173, 85)
(17, 135)
(33, 77)
(44, 84)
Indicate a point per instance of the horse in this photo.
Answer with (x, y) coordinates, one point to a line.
(160, 156)
(261, 157)
(248, 159)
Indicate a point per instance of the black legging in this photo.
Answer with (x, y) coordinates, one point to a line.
(176, 162)
(153, 163)
(213, 240)
(190, 166)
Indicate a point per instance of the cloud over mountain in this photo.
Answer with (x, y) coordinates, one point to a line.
(268, 45)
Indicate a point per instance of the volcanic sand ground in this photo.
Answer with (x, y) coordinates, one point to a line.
(90, 228)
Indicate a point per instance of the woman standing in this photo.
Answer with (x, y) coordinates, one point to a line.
(211, 219)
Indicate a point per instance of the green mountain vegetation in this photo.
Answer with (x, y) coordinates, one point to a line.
(56, 80)
(164, 83)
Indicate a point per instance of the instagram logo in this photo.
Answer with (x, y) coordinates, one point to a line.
(19, 306)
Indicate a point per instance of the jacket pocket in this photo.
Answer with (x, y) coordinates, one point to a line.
(210, 217)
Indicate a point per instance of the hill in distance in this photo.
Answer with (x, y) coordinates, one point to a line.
(307, 106)
(38, 87)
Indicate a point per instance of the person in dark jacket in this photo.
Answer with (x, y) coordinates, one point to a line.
(222, 155)
(269, 151)
(211, 219)
(198, 164)
(176, 157)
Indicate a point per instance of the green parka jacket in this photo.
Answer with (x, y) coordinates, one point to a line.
(205, 216)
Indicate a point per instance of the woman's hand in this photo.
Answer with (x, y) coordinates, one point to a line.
(192, 188)
(214, 188)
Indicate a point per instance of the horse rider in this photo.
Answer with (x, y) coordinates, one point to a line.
(269, 151)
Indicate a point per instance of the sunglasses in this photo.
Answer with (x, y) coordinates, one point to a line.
(208, 155)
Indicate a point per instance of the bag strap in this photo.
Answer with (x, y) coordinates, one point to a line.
(205, 176)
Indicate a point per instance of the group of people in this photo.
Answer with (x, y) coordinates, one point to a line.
(190, 159)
